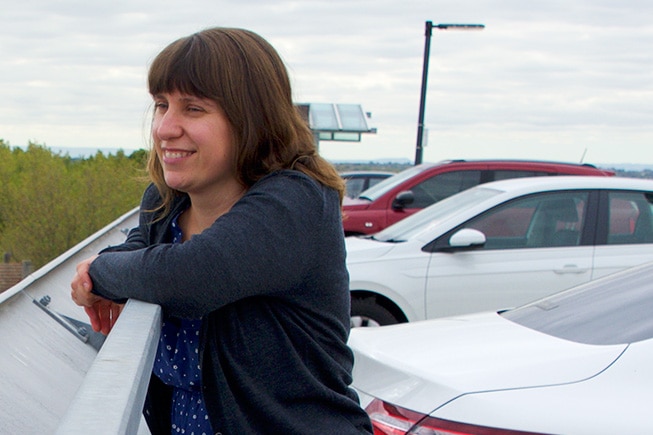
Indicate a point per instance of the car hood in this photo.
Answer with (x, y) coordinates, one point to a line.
(423, 365)
(365, 248)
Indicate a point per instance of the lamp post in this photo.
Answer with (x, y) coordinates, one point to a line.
(425, 69)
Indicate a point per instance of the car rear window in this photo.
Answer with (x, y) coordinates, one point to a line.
(613, 310)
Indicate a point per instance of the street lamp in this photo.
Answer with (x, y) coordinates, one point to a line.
(425, 69)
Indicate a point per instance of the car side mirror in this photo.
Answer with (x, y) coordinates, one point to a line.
(403, 199)
(467, 238)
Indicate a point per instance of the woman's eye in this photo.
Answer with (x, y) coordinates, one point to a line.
(160, 106)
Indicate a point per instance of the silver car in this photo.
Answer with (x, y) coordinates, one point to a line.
(578, 362)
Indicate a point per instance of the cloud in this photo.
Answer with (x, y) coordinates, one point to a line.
(543, 80)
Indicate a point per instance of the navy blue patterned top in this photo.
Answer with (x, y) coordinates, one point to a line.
(177, 364)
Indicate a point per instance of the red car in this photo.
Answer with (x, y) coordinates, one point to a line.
(415, 188)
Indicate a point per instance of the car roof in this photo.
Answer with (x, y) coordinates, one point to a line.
(567, 182)
(364, 172)
(513, 161)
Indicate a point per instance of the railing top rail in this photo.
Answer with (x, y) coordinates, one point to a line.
(110, 399)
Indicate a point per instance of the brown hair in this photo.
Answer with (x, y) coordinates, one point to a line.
(247, 78)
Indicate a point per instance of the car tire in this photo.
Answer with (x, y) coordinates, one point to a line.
(366, 312)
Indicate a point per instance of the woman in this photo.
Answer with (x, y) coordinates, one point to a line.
(240, 241)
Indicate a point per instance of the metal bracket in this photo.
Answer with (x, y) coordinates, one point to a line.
(79, 331)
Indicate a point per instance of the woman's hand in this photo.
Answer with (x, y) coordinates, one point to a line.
(102, 313)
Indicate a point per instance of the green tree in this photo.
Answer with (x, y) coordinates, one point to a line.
(51, 202)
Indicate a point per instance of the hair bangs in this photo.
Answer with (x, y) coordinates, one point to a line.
(176, 69)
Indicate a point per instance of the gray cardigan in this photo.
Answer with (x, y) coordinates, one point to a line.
(269, 281)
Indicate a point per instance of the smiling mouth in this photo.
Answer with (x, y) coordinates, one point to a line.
(169, 154)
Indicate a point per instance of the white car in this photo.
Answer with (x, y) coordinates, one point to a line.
(577, 362)
(500, 245)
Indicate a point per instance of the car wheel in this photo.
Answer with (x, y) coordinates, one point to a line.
(366, 312)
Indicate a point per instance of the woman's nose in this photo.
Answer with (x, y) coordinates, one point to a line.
(167, 125)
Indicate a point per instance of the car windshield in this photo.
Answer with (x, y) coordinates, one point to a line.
(612, 310)
(418, 222)
(389, 183)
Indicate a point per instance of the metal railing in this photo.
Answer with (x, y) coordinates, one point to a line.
(56, 374)
(110, 399)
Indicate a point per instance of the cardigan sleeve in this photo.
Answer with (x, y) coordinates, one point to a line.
(265, 245)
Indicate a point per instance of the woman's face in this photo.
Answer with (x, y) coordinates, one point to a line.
(194, 143)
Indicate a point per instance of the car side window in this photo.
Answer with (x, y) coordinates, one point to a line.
(631, 218)
(506, 174)
(442, 186)
(537, 221)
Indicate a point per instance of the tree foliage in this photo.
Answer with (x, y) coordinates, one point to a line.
(51, 202)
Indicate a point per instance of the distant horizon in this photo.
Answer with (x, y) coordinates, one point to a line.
(90, 151)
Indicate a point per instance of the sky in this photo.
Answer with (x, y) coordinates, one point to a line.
(565, 80)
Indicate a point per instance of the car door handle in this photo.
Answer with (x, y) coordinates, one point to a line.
(570, 268)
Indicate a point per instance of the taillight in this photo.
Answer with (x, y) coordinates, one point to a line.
(388, 419)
